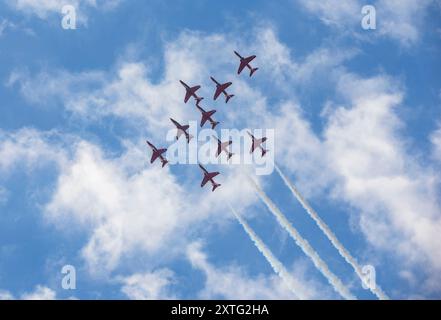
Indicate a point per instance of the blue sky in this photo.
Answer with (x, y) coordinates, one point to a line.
(356, 116)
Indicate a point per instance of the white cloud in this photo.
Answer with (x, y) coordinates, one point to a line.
(4, 195)
(6, 295)
(128, 207)
(360, 155)
(364, 159)
(45, 8)
(334, 12)
(40, 293)
(436, 141)
(284, 71)
(400, 20)
(149, 286)
(302, 149)
(31, 148)
(232, 282)
(376, 173)
(128, 92)
(5, 25)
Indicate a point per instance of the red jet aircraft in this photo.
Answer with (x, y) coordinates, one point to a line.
(182, 130)
(257, 143)
(208, 176)
(221, 88)
(191, 92)
(207, 116)
(223, 146)
(245, 62)
(157, 153)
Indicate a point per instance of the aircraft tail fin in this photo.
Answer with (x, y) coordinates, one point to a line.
(198, 100)
(215, 186)
(253, 70)
(229, 96)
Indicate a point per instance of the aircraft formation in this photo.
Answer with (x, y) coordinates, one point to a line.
(207, 116)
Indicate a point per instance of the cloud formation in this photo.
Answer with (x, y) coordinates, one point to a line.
(232, 282)
(149, 286)
(39, 293)
(44, 9)
(396, 19)
(358, 158)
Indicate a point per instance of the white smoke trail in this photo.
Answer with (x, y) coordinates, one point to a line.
(304, 245)
(331, 236)
(277, 266)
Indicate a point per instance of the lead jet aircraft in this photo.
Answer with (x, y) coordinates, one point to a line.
(182, 130)
(208, 176)
(207, 116)
(157, 153)
(257, 143)
(191, 92)
(223, 146)
(245, 62)
(221, 88)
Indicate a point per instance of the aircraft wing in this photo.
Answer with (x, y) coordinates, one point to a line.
(225, 86)
(205, 180)
(204, 119)
(253, 147)
(212, 175)
(187, 96)
(208, 177)
(174, 122)
(242, 65)
(249, 59)
(150, 145)
(210, 113)
(157, 154)
(219, 149)
(218, 92)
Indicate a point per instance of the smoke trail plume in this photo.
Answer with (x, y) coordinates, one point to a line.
(277, 266)
(331, 236)
(304, 244)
